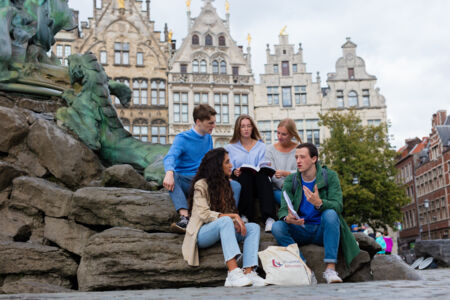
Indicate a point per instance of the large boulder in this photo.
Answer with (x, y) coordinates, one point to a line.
(125, 176)
(111, 207)
(24, 158)
(68, 159)
(67, 234)
(33, 259)
(367, 243)
(22, 224)
(7, 173)
(41, 194)
(19, 284)
(13, 128)
(125, 258)
(392, 267)
(438, 249)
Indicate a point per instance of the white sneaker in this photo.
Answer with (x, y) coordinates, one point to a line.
(244, 219)
(331, 276)
(237, 278)
(269, 223)
(256, 279)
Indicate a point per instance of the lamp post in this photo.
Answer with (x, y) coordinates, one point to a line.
(426, 204)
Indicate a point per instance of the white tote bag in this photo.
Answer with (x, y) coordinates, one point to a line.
(283, 266)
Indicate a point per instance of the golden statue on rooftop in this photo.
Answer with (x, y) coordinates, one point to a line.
(227, 6)
(283, 30)
(170, 35)
(249, 39)
(188, 4)
(121, 3)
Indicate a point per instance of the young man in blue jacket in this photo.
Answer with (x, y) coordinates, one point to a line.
(183, 159)
(316, 197)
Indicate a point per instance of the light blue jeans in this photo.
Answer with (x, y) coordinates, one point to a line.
(325, 234)
(181, 189)
(223, 229)
(277, 196)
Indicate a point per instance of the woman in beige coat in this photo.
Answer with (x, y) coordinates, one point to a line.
(214, 217)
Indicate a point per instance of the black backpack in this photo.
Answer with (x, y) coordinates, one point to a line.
(295, 183)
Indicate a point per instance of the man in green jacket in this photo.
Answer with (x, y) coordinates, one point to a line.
(316, 197)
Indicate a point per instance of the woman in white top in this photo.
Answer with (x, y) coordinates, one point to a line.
(282, 155)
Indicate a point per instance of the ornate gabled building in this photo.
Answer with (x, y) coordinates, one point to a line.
(209, 67)
(124, 39)
(287, 90)
(352, 87)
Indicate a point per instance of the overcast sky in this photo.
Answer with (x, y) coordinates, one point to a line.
(405, 44)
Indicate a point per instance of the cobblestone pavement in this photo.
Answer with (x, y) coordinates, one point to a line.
(436, 285)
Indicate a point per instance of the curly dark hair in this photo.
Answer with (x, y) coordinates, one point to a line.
(219, 188)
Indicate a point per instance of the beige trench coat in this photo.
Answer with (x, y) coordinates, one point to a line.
(200, 215)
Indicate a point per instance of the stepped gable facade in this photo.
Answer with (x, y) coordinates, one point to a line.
(209, 67)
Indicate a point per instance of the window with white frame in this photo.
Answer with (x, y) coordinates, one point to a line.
(374, 122)
(98, 4)
(287, 96)
(103, 57)
(140, 58)
(222, 108)
(294, 68)
(313, 131)
(140, 129)
(223, 67)
(240, 105)
(195, 66)
(59, 51)
(140, 91)
(200, 97)
(121, 53)
(203, 66)
(352, 99)
(275, 69)
(266, 131)
(158, 87)
(340, 98)
(180, 107)
(159, 132)
(215, 67)
(273, 97)
(67, 50)
(300, 94)
(365, 98)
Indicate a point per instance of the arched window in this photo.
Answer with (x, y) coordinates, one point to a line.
(215, 66)
(140, 129)
(223, 67)
(203, 66)
(195, 66)
(221, 40)
(195, 40)
(208, 40)
(159, 132)
(352, 99)
(158, 87)
(140, 91)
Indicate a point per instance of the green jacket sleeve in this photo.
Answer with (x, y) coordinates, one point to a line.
(287, 186)
(332, 199)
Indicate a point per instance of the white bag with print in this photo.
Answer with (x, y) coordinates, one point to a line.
(283, 266)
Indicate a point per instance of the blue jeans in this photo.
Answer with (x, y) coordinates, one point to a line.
(223, 229)
(277, 196)
(325, 234)
(181, 189)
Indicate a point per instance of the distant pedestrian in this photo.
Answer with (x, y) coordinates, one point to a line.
(389, 243)
(379, 239)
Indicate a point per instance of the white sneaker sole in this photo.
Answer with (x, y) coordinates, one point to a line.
(228, 284)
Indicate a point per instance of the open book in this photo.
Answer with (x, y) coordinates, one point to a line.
(263, 167)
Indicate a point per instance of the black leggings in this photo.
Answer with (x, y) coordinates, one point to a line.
(256, 185)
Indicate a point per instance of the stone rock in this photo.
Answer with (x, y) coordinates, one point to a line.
(31, 259)
(367, 243)
(361, 275)
(41, 194)
(314, 259)
(22, 224)
(392, 267)
(150, 211)
(33, 287)
(438, 249)
(6, 101)
(7, 173)
(68, 159)
(67, 234)
(39, 106)
(22, 157)
(4, 196)
(125, 258)
(14, 284)
(125, 176)
(13, 128)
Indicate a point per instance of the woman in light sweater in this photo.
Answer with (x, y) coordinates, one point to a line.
(214, 218)
(247, 148)
(282, 155)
